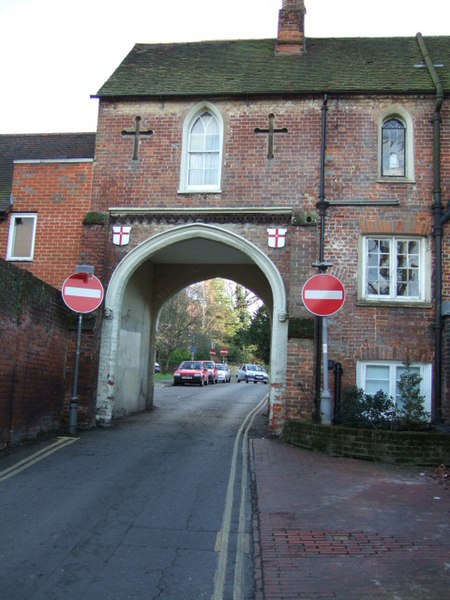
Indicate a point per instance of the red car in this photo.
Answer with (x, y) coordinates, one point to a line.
(191, 371)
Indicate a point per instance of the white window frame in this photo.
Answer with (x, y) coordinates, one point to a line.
(12, 236)
(423, 268)
(189, 121)
(400, 114)
(425, 372)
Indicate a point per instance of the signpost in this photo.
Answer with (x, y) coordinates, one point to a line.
(83, 293)
(323, 295)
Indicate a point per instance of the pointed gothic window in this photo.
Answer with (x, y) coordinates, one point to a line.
(393, 150)
(201, 169)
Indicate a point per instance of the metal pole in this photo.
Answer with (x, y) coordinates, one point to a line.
(325, 397)
(73, 414)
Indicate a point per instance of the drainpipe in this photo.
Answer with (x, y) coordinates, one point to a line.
(439, 219)
(322, 206)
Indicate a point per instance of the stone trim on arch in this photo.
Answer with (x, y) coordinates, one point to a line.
(131, 262)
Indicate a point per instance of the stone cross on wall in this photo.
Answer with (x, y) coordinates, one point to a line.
(137, 133)
(271, 132)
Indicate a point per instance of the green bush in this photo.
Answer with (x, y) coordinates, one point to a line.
(363, 410)
(379, 411)
(412, 407)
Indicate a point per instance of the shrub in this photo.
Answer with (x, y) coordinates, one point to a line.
(412, 407)
(363, 410)
(359, 409)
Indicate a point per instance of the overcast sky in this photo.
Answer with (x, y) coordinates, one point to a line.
(56, 53)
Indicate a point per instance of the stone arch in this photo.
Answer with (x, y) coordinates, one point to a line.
(125, 296)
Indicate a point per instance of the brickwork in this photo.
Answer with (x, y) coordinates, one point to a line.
(33, 337)
(59, 192)
(361, 331)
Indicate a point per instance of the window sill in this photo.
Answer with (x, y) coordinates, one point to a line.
(9, 259)
(199, 191)
(396, 180)
(394, 303)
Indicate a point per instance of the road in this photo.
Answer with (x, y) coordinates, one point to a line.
(156, 507)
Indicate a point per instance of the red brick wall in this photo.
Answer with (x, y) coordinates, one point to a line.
(292, 179)
(60, 195)
(33, 338)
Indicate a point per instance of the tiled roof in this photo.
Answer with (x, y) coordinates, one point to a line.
(47, 146)
(246, 67)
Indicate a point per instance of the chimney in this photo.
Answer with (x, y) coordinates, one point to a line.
(291, 27)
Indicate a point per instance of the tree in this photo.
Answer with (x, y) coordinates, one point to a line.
(259, 334)
(199, 316)
(412, 408)
(178, 317)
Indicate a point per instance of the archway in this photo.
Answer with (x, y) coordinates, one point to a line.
(152, 272)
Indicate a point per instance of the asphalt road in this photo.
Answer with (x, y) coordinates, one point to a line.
(156, 507)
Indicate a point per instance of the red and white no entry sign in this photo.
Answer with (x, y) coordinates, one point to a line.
(323, 295)
(82, 292)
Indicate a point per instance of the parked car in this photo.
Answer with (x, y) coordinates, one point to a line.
(223, 373)
(157, 368)
(191, 371)
(212, 371)
(252, 372)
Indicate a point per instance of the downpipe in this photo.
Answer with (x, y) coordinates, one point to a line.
(439, 219)
(322, 206)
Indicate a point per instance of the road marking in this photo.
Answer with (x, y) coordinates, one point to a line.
(36, 457)
(243, 538)
(223, 536)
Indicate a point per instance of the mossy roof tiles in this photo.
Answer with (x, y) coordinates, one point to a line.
(251, 67)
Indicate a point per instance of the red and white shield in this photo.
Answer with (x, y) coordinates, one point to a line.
(276, 238)
(121, 235)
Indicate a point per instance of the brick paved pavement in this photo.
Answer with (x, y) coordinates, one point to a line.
(330, 528)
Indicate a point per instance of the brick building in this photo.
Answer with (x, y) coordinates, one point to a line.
(45, 187)
(205, 150)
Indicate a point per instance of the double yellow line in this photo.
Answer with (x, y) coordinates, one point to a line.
(36, 457)
(223, 537)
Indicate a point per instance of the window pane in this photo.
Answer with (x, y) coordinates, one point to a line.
(23, 237)
(377, 378)
(196, 142)
(407, 268)
(378, 270)
(393, 150)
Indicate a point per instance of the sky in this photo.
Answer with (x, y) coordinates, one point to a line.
(56, 54)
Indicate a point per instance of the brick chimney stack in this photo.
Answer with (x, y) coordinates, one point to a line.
(291, 27)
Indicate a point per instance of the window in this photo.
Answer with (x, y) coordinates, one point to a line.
(393, 269)
(393, 148)
(374, 376)
(202, 152)
(22, 230)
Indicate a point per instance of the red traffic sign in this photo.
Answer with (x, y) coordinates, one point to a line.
(82, 292)
(212, 352)
(224, 352)
(323, 295)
